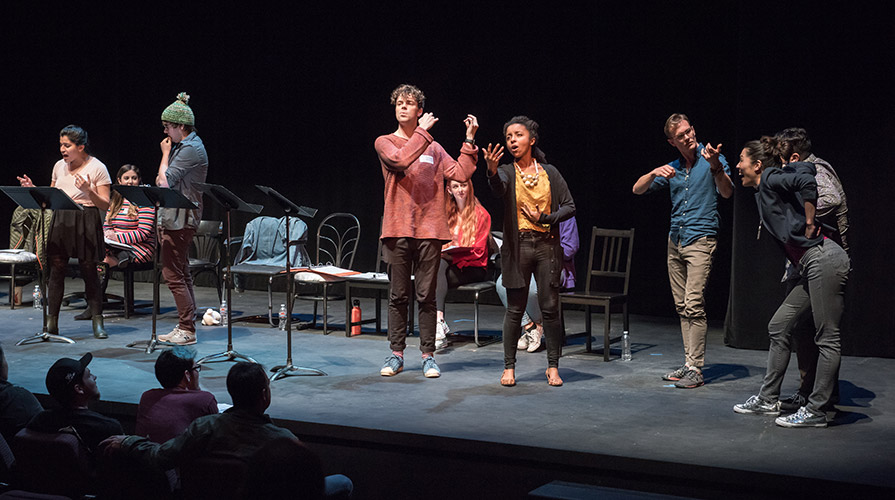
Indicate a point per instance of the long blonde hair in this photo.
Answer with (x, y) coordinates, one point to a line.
(467, 216)
(116, 200)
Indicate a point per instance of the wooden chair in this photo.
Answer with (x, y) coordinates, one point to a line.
(611, 269)
(337, 238)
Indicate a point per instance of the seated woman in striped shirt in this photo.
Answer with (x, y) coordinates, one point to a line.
(129, 224)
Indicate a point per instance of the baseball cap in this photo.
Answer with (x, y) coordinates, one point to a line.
(64, 374)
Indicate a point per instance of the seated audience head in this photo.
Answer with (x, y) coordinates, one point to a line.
(70, 382)
(793, 144)
(177, 367)
(249, 387)
(284, 468)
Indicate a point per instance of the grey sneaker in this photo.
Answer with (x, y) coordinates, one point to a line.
(430, 367)
(802, 418)
(676, 374)
(758, 406)
(793, 403)
(182, 337)
(691, 380)
(393, 366)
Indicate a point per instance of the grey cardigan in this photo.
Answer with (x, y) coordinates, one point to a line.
(562, 207)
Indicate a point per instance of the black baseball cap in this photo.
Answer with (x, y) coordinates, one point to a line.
(64, 374)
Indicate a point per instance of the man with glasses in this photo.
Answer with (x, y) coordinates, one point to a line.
(694, 180)
(184, 164)
(164, 413)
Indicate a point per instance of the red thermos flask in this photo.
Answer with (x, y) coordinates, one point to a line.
(355, 318)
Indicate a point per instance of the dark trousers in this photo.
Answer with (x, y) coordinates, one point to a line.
(451, 276)
(56, 284)
(820, 293)
(537, 256)
(176, 271)
(417, 258)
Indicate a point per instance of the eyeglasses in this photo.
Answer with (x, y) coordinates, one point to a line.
(683, 135)
(196, 368)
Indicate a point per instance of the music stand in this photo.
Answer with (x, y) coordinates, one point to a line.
(42, 198)
(289, 209)
(158, 197)
(230, 202)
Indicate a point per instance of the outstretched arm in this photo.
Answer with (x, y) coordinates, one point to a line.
(719, 175)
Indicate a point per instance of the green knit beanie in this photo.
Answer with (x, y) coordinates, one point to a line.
(179, 111)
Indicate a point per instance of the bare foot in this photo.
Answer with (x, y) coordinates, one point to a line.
(508, 379)
(553, 377)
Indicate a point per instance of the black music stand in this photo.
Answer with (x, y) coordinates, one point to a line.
(158, 197)
(230, 202)
(289, 209)
(42, 198)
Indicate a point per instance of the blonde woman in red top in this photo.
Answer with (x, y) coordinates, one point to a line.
(465, 258)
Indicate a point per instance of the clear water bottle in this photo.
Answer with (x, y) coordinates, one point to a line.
(626, 346)
(38, 297)
(283, 313)
(224, 312)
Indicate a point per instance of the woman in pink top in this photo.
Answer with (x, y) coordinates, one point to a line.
(465, 258)
(77, 233)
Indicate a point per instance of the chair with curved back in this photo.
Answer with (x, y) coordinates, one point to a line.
(206, 252)
(337, 238)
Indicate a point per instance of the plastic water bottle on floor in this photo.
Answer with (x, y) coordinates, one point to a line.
(283, 313)
(626, 347)
(224, 312)
(38, 297)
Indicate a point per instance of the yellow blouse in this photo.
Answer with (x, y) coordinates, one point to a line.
(538, 195)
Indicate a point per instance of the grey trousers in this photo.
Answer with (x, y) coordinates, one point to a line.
(820, 292)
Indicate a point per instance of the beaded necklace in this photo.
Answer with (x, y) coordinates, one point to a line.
(530, 180)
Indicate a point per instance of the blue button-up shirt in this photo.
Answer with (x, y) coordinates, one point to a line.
(694, 199)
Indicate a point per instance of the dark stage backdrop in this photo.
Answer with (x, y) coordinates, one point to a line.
(294, 98)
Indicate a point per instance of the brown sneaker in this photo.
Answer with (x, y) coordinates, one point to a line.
(676, 374)
(691, 380)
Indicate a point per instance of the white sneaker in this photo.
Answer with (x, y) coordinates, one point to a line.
(535, 336)
(523, 341)
(441, 330)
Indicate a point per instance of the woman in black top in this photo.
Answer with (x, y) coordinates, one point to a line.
(536, 199)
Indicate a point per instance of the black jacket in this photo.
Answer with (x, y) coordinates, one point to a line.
(781, 201)
(562, 207)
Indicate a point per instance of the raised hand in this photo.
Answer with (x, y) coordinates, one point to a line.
(25, 181)
(711, 154)
(492, 157)
(82, 182)
(472, 125)
(166, 145)
(427, 120)
(666, 171)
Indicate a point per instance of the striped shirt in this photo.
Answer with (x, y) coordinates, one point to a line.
(135, 232)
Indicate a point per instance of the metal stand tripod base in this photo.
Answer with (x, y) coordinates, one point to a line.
(228, 355)
(287, 370)
(45, 337)
(150, 345)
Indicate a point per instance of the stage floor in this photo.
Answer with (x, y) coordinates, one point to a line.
(618, 417)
